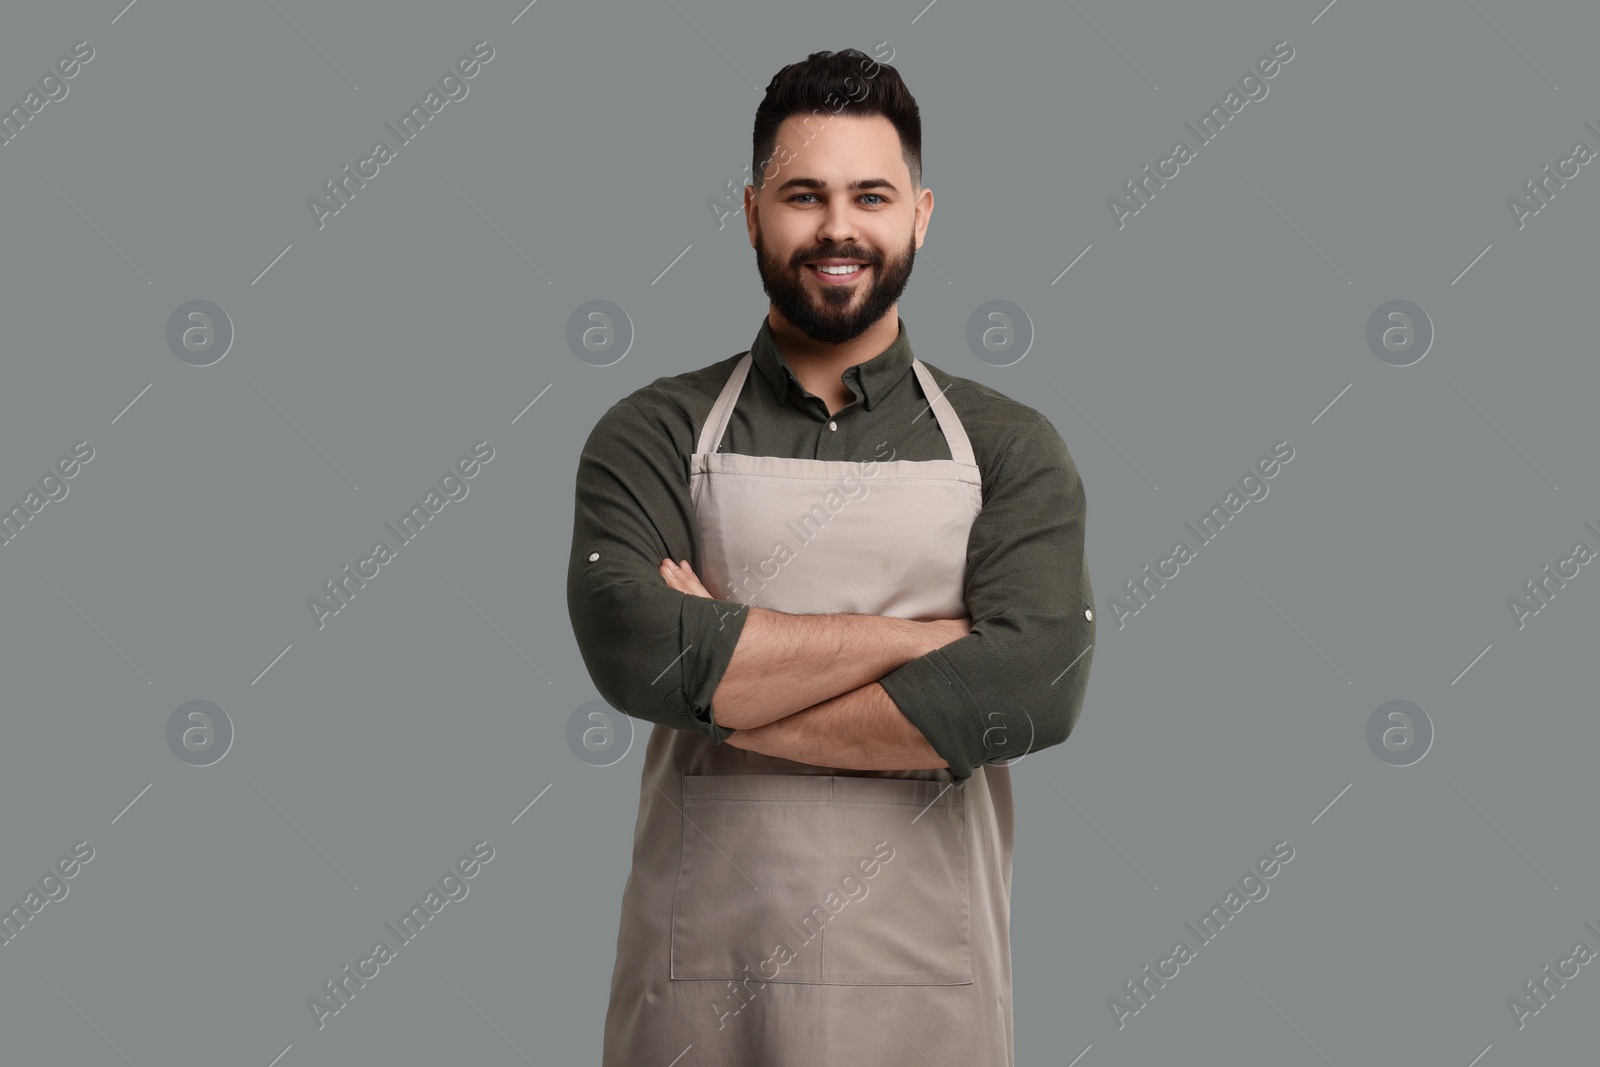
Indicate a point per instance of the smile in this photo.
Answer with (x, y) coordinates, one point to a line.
(842, 275)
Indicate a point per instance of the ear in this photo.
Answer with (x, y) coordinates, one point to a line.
(750, 209)
(923, 206)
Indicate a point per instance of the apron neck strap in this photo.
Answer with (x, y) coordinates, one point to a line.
(722, 410)
(955, 435)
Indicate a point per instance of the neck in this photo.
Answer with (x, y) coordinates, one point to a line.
(819, 365)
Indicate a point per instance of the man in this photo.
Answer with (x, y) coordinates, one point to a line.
(849, 590)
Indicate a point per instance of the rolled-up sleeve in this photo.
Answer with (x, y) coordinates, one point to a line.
(1016, 683)
(652, 652)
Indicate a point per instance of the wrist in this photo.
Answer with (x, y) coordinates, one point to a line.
(923, 637)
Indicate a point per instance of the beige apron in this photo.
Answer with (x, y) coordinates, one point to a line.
(779, 913)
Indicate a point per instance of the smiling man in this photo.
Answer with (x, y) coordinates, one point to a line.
(849, 591)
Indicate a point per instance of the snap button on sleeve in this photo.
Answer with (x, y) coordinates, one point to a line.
(1088, 613)
(593, 556)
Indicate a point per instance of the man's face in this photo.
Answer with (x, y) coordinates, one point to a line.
(806, 212)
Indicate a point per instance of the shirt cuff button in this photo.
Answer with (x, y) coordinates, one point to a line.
(593, 556)
(1088, 613)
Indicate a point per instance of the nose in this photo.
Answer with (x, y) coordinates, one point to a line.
(838, 224)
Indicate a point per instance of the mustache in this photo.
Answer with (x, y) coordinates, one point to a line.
(837, 253)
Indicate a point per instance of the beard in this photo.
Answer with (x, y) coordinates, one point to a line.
(833, 314)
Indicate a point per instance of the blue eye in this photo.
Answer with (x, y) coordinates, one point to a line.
(875, 196)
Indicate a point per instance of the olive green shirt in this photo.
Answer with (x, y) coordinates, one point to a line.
(1013, 685)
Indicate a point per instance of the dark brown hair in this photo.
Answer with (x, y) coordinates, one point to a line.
(825, 84)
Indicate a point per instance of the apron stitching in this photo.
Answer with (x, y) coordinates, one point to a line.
(822, 949)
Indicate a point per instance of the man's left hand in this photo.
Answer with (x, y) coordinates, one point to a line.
(681, 577)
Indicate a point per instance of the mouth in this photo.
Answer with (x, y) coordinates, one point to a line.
(842, 274)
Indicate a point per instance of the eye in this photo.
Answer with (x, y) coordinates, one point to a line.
(878, 200)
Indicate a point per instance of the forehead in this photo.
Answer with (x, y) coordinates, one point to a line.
(841, 148)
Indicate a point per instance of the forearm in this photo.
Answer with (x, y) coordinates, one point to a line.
(786, 663)
(859, 730)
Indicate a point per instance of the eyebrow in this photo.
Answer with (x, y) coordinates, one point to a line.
(856, 186)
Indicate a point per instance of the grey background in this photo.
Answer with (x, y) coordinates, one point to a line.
(1228, 315)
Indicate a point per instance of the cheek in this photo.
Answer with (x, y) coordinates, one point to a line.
(893, 237)
(783, 240)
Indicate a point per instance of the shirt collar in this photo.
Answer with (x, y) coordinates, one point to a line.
(874, 379)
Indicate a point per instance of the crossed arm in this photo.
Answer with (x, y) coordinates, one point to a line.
(853, 691)
(804, 687)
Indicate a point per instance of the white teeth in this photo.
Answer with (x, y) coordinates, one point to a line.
(840, 270)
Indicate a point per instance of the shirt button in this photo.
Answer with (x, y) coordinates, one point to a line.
(593, 556)
(832, 425)
(1088, 613)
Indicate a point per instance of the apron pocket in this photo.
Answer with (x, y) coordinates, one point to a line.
(836, 880)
